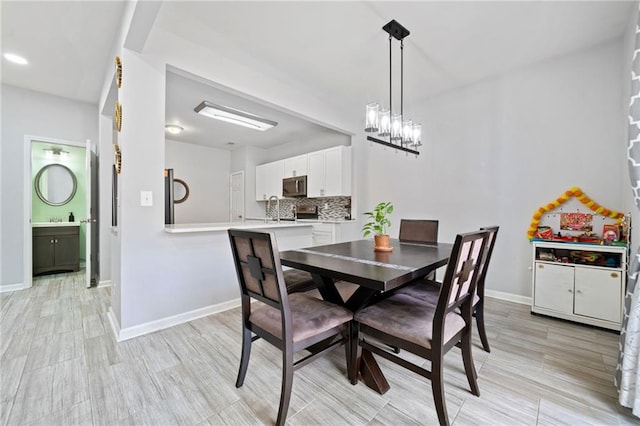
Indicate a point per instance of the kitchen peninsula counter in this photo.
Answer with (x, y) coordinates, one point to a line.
(223, 226)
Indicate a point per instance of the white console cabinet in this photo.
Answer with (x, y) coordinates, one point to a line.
(579, 282)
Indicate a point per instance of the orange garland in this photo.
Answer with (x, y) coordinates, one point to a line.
(582, 197)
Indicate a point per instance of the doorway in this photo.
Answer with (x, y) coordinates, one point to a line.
(60, 195)
(236, 213)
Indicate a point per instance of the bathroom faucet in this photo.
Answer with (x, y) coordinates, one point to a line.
(277, 205)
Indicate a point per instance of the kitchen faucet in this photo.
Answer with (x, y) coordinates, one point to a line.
(277, 205)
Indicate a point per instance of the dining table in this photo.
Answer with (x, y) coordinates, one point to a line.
(375, 273)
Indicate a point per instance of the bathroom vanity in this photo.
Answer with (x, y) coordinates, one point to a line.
(56, 247)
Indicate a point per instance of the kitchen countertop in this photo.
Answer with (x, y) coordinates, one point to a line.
(223, 226)
(49, 224)
(290, 220)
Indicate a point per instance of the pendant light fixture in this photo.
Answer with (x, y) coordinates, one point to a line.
(401, 132)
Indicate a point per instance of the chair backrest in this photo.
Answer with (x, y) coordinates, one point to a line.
(418, 231)
(257, 261)
(460, 278)
(493, 234)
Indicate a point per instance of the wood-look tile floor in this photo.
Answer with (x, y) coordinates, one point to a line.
(60, 365)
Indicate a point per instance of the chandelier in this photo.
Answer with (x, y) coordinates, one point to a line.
(401, 133)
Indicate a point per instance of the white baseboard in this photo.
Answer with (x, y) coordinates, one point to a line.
(161, 324)
(509, 297)
(115, 325)
(104, 283)
(13, 287)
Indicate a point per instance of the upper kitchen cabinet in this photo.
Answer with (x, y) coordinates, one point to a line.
(295, 166)
(269, 180)
(329, 172)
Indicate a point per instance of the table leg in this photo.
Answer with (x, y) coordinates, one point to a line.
(368, 367)
(371, 373)
(327, 289)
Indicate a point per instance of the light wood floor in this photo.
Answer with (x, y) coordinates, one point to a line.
(60, 365)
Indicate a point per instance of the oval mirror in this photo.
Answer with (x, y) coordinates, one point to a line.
(55, 184)
(180, 191)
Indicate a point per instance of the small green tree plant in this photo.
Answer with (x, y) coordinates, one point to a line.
(379, 219)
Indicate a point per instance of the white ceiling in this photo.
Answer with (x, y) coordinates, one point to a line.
(335, 51)
(68, 45)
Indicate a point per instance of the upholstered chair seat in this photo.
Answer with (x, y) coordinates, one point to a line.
(309, 317)
(409, 319)
(298, 281)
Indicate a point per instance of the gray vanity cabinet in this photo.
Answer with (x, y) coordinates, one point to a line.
(56, 248)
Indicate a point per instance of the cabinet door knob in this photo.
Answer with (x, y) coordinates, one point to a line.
(570, 291)
(614, 275)
(51, 241)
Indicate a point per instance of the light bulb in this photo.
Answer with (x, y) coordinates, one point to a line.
(385, 122)
(371, 123)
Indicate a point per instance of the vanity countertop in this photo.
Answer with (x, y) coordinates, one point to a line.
(223, 226)
(51, 224)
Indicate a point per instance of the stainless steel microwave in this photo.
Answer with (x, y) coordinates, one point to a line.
(294, 186)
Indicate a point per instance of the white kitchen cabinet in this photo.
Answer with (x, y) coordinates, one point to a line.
(295, 166)
(269, 180)
(329, 172)
(567, 286)
(322, 234)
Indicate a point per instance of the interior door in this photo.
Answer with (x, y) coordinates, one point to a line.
(91, 227)
(237, 197)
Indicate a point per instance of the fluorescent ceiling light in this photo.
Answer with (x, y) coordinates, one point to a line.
(235, 116)
(16, 59)
(174, 129)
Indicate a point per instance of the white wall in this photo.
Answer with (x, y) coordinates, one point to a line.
(25, 112)
(206, 171)
(497, 150)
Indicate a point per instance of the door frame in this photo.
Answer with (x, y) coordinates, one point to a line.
(27, 202)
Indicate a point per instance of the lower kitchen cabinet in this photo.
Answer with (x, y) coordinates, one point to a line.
(579, 282)
(323, 234)
(56, 249)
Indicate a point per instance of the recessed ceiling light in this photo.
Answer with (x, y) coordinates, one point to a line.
(16, 59)
(174, 129)
(234, 116)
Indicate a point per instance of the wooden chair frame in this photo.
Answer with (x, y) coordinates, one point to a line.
(439, 347)
(478, 308)
(280, 300)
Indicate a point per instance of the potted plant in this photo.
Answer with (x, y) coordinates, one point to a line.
(378, 225)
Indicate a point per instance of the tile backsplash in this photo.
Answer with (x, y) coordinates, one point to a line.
(331, 208)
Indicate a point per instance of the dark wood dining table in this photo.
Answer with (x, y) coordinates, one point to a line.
(374, 272)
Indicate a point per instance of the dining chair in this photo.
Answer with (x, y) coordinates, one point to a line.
(290, 322)
(429, 326)
(423, 231)
(419, 231)
(478, 296)
(298, 281)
